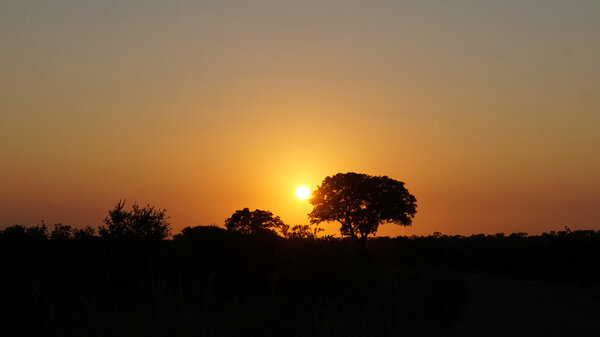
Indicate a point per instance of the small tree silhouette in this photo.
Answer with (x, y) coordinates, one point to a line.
(140, 222)
(39, 232)
(360, 203)
(252, 222)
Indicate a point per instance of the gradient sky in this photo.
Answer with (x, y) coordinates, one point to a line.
(488, 110)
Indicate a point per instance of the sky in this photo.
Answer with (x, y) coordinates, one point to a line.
(489, 111)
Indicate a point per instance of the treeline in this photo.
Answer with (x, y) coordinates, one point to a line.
(568, 256)
(209, 281)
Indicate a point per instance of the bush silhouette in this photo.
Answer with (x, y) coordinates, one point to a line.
(14, 232)
(18, 232)
(61, 232)
(199, 232)
(39, 232)
(145, 223)
(84, 233)
(300, 232)
(360, 203)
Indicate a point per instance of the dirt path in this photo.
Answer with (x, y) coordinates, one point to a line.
(501, 307)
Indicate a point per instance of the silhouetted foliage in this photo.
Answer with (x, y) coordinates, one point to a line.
(145, 223)
(213, 282)
(197, 232)
(14, 232)
(360, 203)
(37, 232)
(18, 232)
(61, 232)
(253, 222)
(40, 232)
(300, 232)
(84, 233)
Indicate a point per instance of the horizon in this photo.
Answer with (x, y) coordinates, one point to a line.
(489, 112)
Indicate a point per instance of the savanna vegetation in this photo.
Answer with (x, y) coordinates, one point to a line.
(257, 276)
(208, 281)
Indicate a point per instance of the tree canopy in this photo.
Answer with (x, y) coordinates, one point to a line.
(139, 222)
(361, 202)
(252, 222)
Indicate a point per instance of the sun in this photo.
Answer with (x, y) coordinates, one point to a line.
(302, 192)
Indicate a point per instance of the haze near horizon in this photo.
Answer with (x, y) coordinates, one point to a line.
(488, 111)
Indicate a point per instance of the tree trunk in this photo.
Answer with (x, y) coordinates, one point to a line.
(362, 241)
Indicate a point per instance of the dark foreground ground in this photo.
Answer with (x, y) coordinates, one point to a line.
(228, 286)
(505, 307)
(216, 283)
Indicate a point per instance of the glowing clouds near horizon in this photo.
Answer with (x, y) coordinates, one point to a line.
(302, 192)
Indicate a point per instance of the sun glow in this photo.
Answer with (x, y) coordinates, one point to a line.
(302, 192)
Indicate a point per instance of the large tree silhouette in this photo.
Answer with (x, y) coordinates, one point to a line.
(252, 222)
(360, 203)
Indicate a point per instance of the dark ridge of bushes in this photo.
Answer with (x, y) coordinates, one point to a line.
(207, 281)
(211, 282)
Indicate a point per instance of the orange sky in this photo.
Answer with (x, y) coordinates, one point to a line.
(489, 111)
